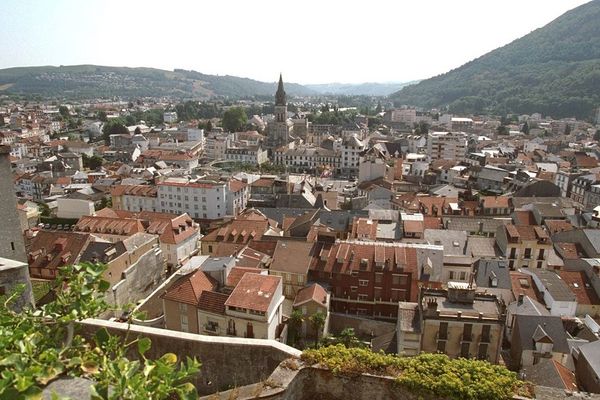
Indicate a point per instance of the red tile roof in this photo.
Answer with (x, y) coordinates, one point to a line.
(292, 257)
(432, 222)
(254, 292)
(134, 190)
(343, 257)
(523, 284)
(111, 226)
(50, 250)
(495, 201)
(248, 226)
(580, 286)
(364, 228)
(559, 225)
(413, 226)
(173, 230)
(213, 302)
(236, 185)
(314, 292)
(188, 288)
(236, 274)
(251, 258)
(524, 218)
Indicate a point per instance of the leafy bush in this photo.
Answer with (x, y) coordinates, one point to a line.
(435, 374)
(38, 346)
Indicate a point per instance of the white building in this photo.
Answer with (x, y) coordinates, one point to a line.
(254, 155)
(74, 208)
(196, 135)
(351, 147)
(200, 199)
(216, 144)
(170, 117)
(134, 198)
(447, 145)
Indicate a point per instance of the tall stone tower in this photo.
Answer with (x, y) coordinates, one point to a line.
(279, 130)
(12, 244)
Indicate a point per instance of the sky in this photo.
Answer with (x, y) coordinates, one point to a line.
(309, 41)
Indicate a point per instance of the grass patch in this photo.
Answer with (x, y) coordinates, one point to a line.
(435, 374)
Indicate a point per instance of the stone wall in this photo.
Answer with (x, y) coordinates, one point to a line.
(12, 274)
(139, 279)
(12, 244)
(309, 383)
(226, 362)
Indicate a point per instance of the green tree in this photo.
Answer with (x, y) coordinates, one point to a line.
(44, 210)
(597, 135)
(234, 119)
(567, 130)
(348, 338)
(38, 346)
(525, 128)
(93, 162)
(379, 108)
(295, 326)
(502, 130)
(421, 128)
(113, 127)
(130, 120)
(317, 320)
(64, 111)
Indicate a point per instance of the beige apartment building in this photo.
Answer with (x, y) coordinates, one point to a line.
(525, 246)
(460, 322)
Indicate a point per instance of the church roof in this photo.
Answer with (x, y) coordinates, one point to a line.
(280, 98)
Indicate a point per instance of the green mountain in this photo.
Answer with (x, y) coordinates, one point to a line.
(91, 81)
(366, 89)
(554, 70)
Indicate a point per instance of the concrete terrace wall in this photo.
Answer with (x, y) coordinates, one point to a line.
(308, 383)
(226, 362)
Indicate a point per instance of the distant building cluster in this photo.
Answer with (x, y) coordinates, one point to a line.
(475, 236)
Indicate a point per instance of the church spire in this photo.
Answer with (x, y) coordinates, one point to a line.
(280, 99)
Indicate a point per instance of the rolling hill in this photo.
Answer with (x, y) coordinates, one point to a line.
(90, 81)
(350, 89)
(554, 70)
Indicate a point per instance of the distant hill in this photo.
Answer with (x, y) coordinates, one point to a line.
(554, 70)
(89, 81)
(366, 89)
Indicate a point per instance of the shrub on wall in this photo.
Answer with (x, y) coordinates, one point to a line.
(435, 374)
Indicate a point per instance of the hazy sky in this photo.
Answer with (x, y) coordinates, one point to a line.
(309, 41)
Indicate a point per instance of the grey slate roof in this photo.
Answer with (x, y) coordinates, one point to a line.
(479, 246)
(527, 325)
(591, 352)
(529, 306)
(454, 242)
(474, 224)
(557, 288)
(544, 373)
(488, 269)
(593, 235)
